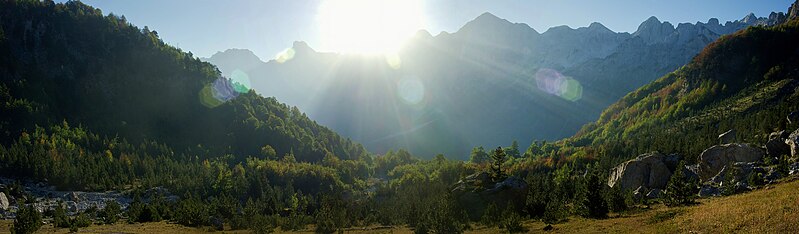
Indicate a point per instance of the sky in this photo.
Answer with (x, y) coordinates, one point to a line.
(268, 27)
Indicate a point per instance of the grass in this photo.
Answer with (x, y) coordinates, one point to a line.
(774, 209)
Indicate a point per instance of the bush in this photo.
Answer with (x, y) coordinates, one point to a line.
(110, 214)
(261, 224)
(681, 190)
(491, 216)
(511, 220)
(60, 219)
(28, 220)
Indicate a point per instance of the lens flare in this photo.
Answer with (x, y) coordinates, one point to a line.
(240, 81)
(393, 60)
(552, 82)
(411, 90)
(285, 55)
(217, 93)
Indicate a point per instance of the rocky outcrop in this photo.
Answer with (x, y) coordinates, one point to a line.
(477, 191)
(647, 170)
(713, 159)
(728, 137)
(793, 11)
(793, 143)
(4, 202)
(776, 146)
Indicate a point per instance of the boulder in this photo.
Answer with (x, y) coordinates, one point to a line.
(4, 202)
(728, 137)
(793, 117)
(476, 192)
(781, 135)
(647, 170)
(709, 191)
(775, 148)
(713, 159)
(793, 143)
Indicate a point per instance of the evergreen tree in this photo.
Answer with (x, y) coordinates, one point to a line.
(681, 190)
(28, 220)
(498, 157)
(513, 150)
(478, 155)
(596, 189)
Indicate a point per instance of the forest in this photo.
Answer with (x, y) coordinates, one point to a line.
(91, 102)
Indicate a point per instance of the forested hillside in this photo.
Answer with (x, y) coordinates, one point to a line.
(91, 102)
(68, 62)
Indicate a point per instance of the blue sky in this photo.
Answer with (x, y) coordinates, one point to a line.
(269, 26)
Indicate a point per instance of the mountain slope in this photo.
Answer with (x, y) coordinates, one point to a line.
(67, 62)
(746, 81)
(489, 83)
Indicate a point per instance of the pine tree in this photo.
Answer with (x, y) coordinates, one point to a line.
(681, 190)
(498, 158)
(28, 220)
(596, 192)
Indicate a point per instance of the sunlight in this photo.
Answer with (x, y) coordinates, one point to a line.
(368, 26)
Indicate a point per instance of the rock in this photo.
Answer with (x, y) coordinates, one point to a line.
(709, 191)
(741, 187)
(647, 170)
(713, 159)
(4, 202)
(548, 227)
(793, 168)
(793, 143)
(654, 194)
(73, 196)
(776, 148)
(782, 135)
(639, 193)
(793, 117)
(477, 192)
(728, 137)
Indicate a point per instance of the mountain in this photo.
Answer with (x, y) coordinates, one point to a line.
(489, 83)
(745, 81)
(69, 63)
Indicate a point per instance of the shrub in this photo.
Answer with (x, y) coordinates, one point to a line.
(491, 216)
(28, 220)
(110, 214)
(681, 190)
(511, 221)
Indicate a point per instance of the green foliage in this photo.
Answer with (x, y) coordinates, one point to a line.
(511, 221)
(498, 157)
(681, 190)
(491, 216)
(596, 189)
(619, 199)
(478, 155)
(110, 213)
(28, 220)
(60, 218)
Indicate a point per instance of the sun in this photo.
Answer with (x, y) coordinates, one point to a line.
(368, 26)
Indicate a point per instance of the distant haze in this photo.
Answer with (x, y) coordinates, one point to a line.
(268, 27)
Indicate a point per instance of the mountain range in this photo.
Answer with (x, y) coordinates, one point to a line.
(489, 83)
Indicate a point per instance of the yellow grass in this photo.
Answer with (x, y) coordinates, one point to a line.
(771, 210)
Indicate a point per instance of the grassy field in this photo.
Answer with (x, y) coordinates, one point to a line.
(774, 209)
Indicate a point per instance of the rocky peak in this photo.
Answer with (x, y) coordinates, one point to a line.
(749, 19)
(300, 47)
(232, 59)
(492, 23)
(652, 31)
(793, 11)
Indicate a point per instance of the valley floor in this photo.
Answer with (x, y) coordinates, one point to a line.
(774, 209)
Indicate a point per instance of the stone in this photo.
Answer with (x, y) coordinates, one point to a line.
(647, 170)
(776, 148)
(709, 191)
(793, 117)
(782, 135)
(728, 137)
(713, 159)
(476, 192)
(639, 193)
(548, 227)
(654, 194)
(4, 202)
(793, 143)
